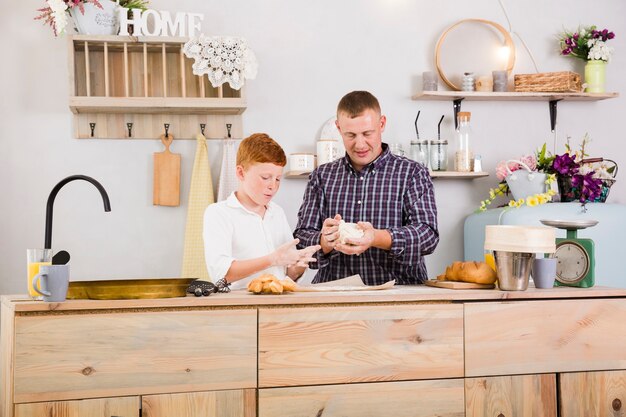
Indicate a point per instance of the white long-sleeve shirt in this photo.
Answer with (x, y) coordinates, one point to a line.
(232, 232)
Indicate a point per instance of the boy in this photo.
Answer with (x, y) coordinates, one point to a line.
(247, 234)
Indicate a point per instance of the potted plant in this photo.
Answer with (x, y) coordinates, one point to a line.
(90, 17)
(589, 44)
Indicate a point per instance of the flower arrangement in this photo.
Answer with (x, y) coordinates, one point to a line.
(578, 178)
(55, 14)
(502, 189)
(587, 43)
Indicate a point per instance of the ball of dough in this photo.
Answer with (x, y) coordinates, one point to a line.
(349, 231)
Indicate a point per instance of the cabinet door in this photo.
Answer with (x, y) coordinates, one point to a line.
(101, 407)
(509, 396)
(310, 346)
(232, 403)
(436, 398)
(593, 394)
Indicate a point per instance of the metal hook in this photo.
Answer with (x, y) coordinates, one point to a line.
(167, 128)
(202, 127)
(228, 127)
(92, 126)
(129, 125)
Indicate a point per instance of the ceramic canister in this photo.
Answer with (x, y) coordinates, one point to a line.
(327, 151)
(301, 162)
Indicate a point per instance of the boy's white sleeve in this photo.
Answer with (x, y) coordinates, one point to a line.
(217, 233)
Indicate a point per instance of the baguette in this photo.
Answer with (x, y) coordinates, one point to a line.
(269, 284)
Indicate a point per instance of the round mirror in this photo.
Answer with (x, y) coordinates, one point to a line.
(473, 45)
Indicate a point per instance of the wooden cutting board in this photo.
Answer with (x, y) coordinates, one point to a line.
(457, 285)
(166, 181)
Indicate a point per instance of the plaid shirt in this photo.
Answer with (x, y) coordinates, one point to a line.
(392, 193)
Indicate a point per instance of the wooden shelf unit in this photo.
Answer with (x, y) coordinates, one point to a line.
(433, 174)
(458, 175)
(510, 96)
(146, 81)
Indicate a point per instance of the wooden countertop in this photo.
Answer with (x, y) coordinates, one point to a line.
(399, 294)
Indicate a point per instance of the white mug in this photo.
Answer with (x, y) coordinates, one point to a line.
(301, 162)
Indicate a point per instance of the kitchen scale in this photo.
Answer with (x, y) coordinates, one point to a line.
(576, 256)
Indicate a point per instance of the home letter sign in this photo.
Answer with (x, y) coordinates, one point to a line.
(159, 23)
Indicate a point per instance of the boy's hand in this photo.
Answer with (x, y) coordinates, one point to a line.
(329, 236)
(306, 255)
(286, 254)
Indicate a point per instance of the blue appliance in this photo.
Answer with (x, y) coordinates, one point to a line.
(610, 252)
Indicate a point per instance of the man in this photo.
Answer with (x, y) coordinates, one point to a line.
(390, 197)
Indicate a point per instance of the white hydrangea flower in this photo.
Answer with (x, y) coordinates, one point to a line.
(59, 15)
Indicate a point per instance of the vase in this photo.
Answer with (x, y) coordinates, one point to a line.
(95, 20)
(595, 76)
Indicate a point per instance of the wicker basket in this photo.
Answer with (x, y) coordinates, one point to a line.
(561, 82)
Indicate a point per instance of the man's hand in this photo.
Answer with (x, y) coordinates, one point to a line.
(329, 236)
(286, 254)
(360, 245)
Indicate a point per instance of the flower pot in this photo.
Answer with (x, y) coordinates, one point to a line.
(95, 20)
(595, 76)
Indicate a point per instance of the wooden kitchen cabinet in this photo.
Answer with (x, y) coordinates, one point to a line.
(231, 403)
(402, 352)
(145, 81)
(593, 394)
(436, 398)
(100, 407)
(511, 396)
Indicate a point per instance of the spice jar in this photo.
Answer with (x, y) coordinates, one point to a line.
(419, 151)
(439, 155)
(463, 156)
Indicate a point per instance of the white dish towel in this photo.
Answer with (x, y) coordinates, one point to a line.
(228, 177)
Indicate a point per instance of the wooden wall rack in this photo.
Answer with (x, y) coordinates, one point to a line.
(130, 87)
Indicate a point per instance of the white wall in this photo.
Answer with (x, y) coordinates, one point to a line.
(310, 54)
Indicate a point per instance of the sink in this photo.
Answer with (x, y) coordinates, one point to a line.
(127, 289)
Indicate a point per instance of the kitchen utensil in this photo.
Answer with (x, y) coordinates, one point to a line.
(62, 257)
(513, 269)
(576, 256)
(166, 191)
(129, 289)
(457, 285)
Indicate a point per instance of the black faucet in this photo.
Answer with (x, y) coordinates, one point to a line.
(55, 191)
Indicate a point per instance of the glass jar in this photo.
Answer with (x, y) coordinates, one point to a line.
(419, 151)
(396, 149)
(463, 156)
(439, 155)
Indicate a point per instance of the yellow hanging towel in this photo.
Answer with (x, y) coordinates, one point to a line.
(200, 196)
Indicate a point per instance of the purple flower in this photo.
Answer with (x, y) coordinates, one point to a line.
(590, 188)
(565, 165)
(611, 35)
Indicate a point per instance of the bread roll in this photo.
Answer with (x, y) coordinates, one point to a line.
(269, 284)
(476, 272)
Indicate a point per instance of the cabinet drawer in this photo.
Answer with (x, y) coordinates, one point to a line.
(436, 398)
(510, 396)
(230, 403)
(106, 355)
(102, 407)
(307, 346)
(544, 336)
(593, 394)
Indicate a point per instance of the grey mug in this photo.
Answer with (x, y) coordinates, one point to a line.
(54, 282)
(544, 272)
